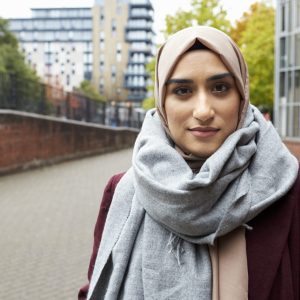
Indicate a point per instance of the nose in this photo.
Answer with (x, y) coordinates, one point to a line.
(203, 110)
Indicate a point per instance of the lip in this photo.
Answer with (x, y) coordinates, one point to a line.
(204, 131)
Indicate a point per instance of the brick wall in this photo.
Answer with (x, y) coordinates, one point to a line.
(294, 147)
(28, 140)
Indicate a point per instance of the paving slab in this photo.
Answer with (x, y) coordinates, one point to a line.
(47, 218)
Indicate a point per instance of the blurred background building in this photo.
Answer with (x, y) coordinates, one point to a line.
(109, 44)
(287, 84)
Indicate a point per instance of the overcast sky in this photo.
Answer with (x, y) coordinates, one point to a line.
(21, 8)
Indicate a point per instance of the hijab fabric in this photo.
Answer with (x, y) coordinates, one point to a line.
(163, 216)
(213, 39)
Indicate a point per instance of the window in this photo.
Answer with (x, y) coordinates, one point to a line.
(101, 18)
(113, 26)
(290, 87)
(113, 70)
(71, 35)
(68, 81)
(87, 58)
(283, 54)
(283, 7)
(282, 85)
(113, 73)
(298, 13)
(119, 47)
(101, 59)
(119, 52)
(297, 50)
(297, 86)
(102, 45)
(88, 47)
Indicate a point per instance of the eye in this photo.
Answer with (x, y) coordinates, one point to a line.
(220, 88)
(182, 91)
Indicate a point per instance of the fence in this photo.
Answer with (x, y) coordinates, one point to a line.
(49, 100)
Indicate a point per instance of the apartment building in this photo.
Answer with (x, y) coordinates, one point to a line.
(109, 44)
(57, 42)
(287, 87)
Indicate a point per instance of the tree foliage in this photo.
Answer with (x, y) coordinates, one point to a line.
(20, 87)
(150, 101)
(11, 59)
(255, 34)
(202, 12)
(88, 90)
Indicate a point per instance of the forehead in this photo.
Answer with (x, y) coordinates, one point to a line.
(199, 61)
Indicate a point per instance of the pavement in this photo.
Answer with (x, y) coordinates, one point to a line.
(47, 217)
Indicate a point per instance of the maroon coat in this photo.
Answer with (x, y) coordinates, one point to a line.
(273, 246)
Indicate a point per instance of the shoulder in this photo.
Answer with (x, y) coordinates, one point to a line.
(114, 180)
(110, 189)
(296, 187)
(277, 227)
(283, 208)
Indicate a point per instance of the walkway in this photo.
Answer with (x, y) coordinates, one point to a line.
(46, 219)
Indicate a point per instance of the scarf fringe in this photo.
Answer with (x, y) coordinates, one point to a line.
(175, 246)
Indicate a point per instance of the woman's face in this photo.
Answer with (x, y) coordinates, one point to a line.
(202, 103)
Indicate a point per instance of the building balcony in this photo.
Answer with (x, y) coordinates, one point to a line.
(136, 97)
(141, 49)
(141, 4)
(135, 85)
(136, 38)
(141, 15)
(136, 73)
(138, 62)
(139, 26)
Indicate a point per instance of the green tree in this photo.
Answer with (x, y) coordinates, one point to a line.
(150, 101)
(255, 34)
(11, 59)
(20, 86)
(88, 90)
(203, 12)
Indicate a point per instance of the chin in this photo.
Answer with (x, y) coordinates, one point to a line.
(203, 154)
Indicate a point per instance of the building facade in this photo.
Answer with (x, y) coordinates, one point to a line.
(122, 46)
(287, 87)
(109, 44)
(57, 43)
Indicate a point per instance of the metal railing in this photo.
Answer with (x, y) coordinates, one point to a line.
(45, 99)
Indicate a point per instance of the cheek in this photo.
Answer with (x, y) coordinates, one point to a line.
(232, 115)
(171, 110)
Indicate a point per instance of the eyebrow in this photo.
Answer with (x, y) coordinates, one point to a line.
(219, 76)
(175, 80)
(185, 81)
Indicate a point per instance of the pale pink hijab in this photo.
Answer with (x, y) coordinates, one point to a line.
(213, 39)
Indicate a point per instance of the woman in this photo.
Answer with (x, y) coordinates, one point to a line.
(210, 207)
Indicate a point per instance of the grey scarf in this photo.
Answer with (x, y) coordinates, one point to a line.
(163, 215)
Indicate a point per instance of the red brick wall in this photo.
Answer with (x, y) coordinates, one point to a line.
(27, 140)
(294, 147)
